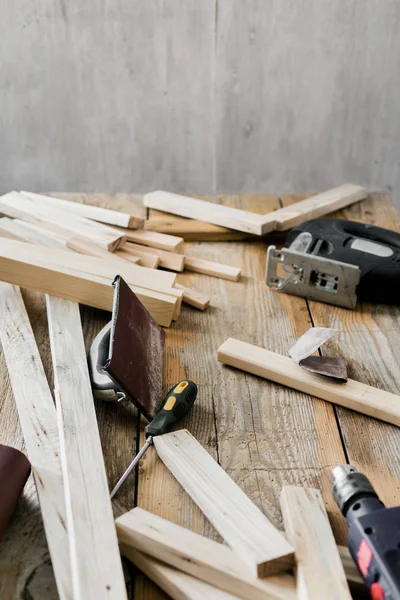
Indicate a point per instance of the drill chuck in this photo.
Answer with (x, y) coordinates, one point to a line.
(348, 484)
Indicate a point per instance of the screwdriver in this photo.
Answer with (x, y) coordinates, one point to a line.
(177, 404)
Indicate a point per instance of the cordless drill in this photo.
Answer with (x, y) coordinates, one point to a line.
(374, 532)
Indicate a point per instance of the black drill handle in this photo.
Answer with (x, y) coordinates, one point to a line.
(178, 403)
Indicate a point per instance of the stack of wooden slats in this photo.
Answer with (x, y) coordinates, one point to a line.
(90, 246)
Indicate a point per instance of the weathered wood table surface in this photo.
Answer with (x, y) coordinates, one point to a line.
(262, 434)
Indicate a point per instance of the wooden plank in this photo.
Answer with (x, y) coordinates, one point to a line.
(95, 561)
(145, 258)
(194, 297)
(171, 243)
(285, 371)
(207, 211)
(133, 274)
(318, 205)
(33, 233)
(255, 540)
(17, 206)
(191, 230)
(96, 213)
(168, 260)
(195, 555)
(320, 572)
(83, 246)
(176, 584)
(75, 285)
(37, 416)
(208, 267)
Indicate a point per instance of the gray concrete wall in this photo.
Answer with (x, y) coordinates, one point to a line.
(199, 95)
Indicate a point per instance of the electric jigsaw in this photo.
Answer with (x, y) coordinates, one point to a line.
(338, 262)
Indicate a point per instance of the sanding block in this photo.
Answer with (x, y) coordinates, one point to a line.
(126, 357)
(14, 472)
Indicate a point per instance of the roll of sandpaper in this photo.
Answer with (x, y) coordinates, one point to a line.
(14, 472)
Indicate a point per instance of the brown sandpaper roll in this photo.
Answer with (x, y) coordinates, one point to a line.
(14, 472)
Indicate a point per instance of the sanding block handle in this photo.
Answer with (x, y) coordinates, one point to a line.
(178, 403)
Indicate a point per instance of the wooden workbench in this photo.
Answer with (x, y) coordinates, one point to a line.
(262, 434)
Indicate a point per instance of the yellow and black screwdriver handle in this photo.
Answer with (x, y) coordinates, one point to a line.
(178, 403)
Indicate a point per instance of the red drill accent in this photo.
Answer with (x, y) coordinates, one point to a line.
(364, 557)
(377, 592)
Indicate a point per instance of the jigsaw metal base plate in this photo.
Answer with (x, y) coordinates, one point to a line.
(313, 277)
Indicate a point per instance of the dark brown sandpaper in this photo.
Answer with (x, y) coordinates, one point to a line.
(14, 471)
(328, 366)
(137, 351)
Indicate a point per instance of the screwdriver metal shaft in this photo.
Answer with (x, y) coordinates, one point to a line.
(133, 464)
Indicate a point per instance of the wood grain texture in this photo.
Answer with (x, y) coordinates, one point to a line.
(21, 266)
(208, 267)
(319, 569)
(96, 569)
(29, 232)
(285, 371)
(145, 259)
(21, 207)
(196, 555)
(176, 584)
(37, 416)
(194, 297)
(96, 213)
(191, 230)
(235, 517)
(162, 241)
(168, 260)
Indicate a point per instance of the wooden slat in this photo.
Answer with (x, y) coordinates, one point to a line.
(195, 555)
(319, 570)
(37, 416)
(318, 205)
(208, 267)
(18, 206)
(33, 233)
(145, 258)
(168, 260)
(206, 211)
(176, 584)
(194, 297)
(255, 540)
(83, 246)
(78, 286)
(285, 371)
(95, 562)
(153, 239)
(191, 230)
(96, 213)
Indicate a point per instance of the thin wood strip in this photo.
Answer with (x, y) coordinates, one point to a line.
(175, 583)
(77, 286)
(195, 555)
(320, 572)
(153, 239)
(168, 260)
(83, 246)
(214, 269)
(232, 513)
(192, 230)
(194, 297)
(95, 561)
(283, 370)
(33, 233)
(38, 420)
(145, 258)
(61, 222)
(318, 205)
(217, 214)
(96, 213)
